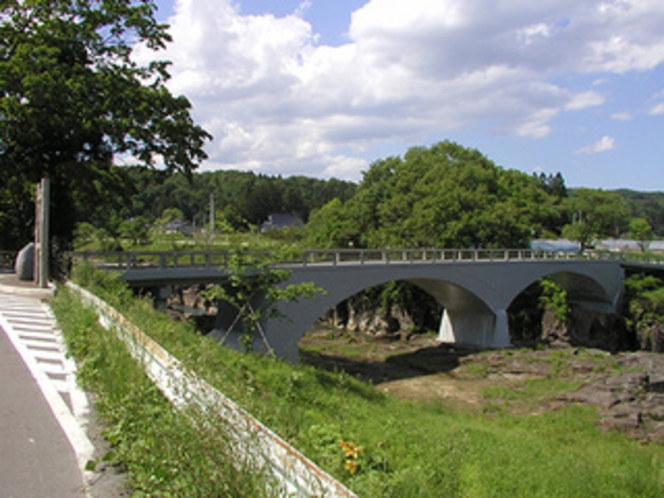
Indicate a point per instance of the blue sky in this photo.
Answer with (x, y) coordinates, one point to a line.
(325, 87)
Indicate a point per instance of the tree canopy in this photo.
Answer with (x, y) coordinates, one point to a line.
(595, 214)
(73, 98)
(443, 196)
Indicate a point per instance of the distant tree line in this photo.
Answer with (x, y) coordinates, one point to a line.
(442, 196)
(241, 199)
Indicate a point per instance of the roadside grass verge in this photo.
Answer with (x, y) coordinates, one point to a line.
(163, 451)
(383, 447)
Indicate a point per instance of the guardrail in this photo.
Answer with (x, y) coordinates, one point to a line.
(220, 259)
(297, 476)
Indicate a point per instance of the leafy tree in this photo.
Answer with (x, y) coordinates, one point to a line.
(595, 214)
(640, 230)
(254, 289)
(72, 98)
(554, 297)
(443, 196)
(136, 230)
(330, 227)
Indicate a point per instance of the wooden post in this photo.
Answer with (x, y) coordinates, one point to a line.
(38, 213)
(42, 218)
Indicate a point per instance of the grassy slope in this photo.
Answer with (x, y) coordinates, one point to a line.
(411, 449)
(164, 452)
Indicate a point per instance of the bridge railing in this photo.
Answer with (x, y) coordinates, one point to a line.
(387, 256)
(137, 260)
(154, 259)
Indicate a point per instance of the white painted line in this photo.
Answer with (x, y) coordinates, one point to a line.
(37, 324)
(50, 356)
(38, 336)
(20, 313)
(71, 426)
(23, 328)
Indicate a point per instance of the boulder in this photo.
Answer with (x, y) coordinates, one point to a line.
(24, 266)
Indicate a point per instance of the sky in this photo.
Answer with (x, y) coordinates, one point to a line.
(324, 88)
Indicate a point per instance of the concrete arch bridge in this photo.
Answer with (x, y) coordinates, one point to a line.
(474, 287)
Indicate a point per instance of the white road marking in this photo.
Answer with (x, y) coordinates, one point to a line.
(31, 327)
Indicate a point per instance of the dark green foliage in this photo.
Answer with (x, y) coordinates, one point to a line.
(647, 205)
(241, 198)
(552, 184)
(442, 196)
(644, 310)
(72, 98)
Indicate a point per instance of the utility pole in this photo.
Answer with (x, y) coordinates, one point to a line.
(42, 228)
(211, 213)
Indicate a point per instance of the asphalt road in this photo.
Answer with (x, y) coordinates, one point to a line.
(36, 459)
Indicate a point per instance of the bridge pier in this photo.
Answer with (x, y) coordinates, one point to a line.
(475, 328)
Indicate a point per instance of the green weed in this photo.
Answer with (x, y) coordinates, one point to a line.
(164, 452)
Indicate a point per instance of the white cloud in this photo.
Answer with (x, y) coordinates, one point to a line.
(277, 101)
(584, 100)
(604, 144)
(302, 9)
(622, 116)
(657, 110)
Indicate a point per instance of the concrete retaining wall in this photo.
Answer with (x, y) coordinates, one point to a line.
(295, 474)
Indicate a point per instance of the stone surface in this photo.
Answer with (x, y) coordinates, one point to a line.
(365, 313)
(631, 402)
(25, 262)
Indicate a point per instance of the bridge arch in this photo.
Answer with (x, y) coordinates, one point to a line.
(475, 296)
(582, 288)
(463, 308)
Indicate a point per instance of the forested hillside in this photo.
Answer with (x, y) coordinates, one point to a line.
(241, 198)
(647, 205)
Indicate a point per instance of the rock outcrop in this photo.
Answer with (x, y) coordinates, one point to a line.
(631, 402)
(588, 329)
(366, 314)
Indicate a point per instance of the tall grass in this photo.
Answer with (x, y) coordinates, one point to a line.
(405, 449)
(165, 452)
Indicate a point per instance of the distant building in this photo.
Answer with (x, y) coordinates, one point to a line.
(182, 226)
(279, 221)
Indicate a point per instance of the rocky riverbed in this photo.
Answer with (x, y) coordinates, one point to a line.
(627, 389)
